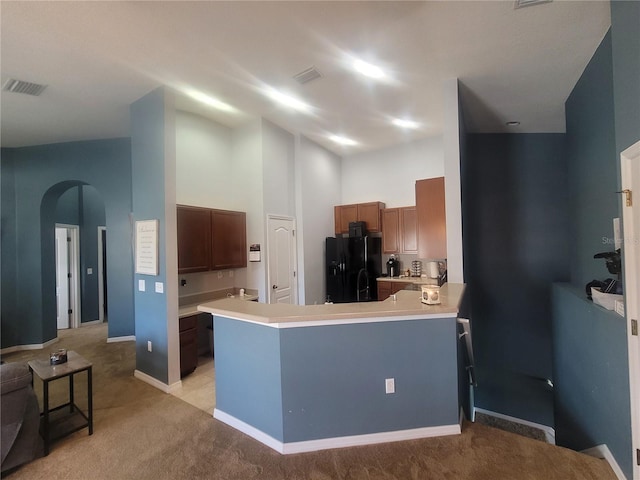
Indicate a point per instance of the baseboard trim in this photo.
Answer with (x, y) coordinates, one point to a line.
(154, 382)
(603, 452)
(92, 322)
(549, 432)
(127, 338)
(335, 442)
(33, 346)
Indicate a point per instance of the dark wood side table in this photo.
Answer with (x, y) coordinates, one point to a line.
(69, 423)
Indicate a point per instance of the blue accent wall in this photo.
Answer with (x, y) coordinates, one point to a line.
(40, 176)
(8, 248)
(592, 166)
(333, 378)
(248, 379)
(625, 25)
(329, 381)
(514, 206)
(148, 180)
(591, 364)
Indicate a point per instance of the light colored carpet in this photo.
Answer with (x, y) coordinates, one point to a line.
(142, 433)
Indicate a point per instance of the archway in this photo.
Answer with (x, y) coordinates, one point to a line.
(72, 203)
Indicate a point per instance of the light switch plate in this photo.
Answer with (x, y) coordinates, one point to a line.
(141, 285)
(89, 271)
(159, 287)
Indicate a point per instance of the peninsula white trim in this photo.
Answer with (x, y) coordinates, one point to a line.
(335, 442)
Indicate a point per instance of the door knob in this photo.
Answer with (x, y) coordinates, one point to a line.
(274, 287)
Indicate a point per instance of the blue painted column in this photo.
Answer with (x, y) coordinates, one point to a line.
(153, 187)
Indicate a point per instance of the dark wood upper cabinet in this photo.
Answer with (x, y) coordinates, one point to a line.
(210, 239)
(194, 239)
(431, 218)
(229, 239)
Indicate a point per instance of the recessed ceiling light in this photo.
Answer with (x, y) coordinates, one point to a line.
(512, 124)
(287, 100)
(343, 140)
(368, 69)
(210, 101)
(403, 123)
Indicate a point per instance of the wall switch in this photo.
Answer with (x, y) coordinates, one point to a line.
(149, 346)
(390, 385)
(89, 271)
(159, 287)
(220, 274)
(141, 285)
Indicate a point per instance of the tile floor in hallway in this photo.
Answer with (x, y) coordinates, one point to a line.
(199, 388)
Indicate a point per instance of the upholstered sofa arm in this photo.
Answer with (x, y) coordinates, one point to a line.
(13, 376)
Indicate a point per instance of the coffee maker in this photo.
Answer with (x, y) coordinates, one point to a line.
(393, 267)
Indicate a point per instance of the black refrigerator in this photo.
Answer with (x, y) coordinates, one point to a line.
(352, 266)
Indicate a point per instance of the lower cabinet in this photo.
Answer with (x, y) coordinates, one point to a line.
(188, 327)
(387, 288)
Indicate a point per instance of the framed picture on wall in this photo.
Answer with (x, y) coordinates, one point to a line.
(147, 247)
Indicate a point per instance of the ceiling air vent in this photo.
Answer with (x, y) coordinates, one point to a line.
(20, 86)
(307, 75)
(529, 3)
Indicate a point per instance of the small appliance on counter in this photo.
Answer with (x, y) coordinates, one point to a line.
(416, 268)
(606, 292)
(393, 266)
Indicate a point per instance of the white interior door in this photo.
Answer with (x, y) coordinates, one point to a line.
(630, 168)
(62, 277)
(282, 260)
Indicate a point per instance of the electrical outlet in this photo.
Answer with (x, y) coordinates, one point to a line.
(390, 385)
(230, 273)
(220, 274)
(149, 346)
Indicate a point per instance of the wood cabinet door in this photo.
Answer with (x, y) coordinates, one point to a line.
(228, 239)
(369, 213)
(188, 344)
(431, 219)
(348, 213)
(194, 239)
(391, 230)
(408, 230)
(384, 290)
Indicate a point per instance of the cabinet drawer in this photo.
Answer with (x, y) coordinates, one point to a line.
(188, 323)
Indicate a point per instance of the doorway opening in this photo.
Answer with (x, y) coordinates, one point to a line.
(67, 254)
(281, 260)
(102, 274)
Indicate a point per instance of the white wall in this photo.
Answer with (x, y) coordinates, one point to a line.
(278, 159)
(203, 162)
(453, 199)
(318, 187)
(389, 175)
(248, 194)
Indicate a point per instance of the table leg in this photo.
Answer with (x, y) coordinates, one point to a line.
(71, 399)
(90, 399)
(45, 426)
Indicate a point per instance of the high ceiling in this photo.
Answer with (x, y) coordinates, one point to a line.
(96, 58)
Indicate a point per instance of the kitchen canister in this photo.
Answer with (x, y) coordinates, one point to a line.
(416, 268)
(430, 294)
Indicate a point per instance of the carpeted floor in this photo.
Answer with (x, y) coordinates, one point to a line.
(142, 433)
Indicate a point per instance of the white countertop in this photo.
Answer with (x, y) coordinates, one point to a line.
(406, 306)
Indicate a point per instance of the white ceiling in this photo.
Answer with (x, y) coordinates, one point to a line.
(99, 57)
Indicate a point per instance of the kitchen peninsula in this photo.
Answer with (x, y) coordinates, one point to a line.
(304, 378)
